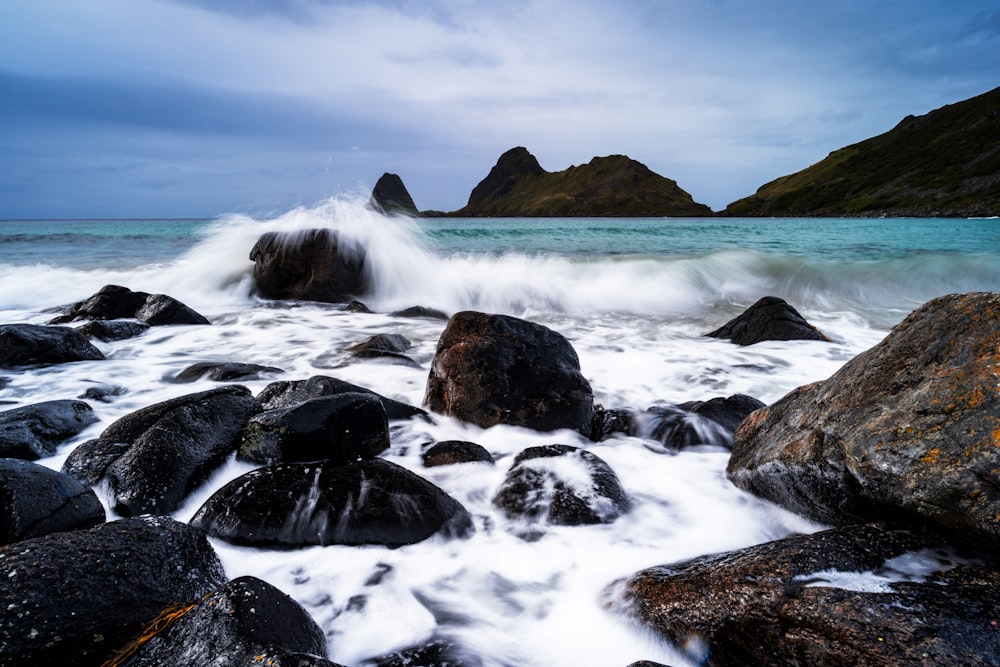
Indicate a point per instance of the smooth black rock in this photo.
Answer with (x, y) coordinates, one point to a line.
(113, 302)
(36, 345)
(74, 598)
(36, 501)
(35, 431)
(340, 428)
(225, 371)
(286, 393)
(314, 265)
(391, 196)
(449, 452)
(112, 330)
(697, 423)
(543, 484)
(302, 504)
(245, 622)
(770, 318)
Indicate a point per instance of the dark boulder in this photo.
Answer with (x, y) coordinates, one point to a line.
(421, 311)
(695, 423)
(450, 452)
(35, 345)
(238, 624)
(313, 265)
(561, 485)
(36, 501)
(76, 597)
(114, 302)
(154, 457)
(339, 429)
(391, 196)
(771, 318)
(225, 371)
(497, 369)
(616, 421)
(112, 330)
(287, 393)
(859, 595)
(388, 347)
(728, 412)
(35, 431)
(357, 307)
(907, 430)
(302, 504)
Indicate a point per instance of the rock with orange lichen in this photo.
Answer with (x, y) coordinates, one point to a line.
(909, 430)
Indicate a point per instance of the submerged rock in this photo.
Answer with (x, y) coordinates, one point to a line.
(287, 393)
(770, 318)
(76, 597)
(695, 423)
(617, 421)
(36, 501)
(421, 311)
(112, 330)
(908, 430)
(302, 504)
(36, 345)
(497, 369)
(450, 452)
(114, 302)
(314, 265)
(225, 371)
(388, 347)
(35, 431)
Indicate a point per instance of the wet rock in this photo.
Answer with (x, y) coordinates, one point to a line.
(237, 624)
(391, 196)
(497, 369)
(314, 265)
(36, 501)
(283, 394)
(76, 597)
(697, 423)
(561, 485)
(907, 430)
(728, 412)
(35, 345)
(301, 504)
(449, 452)
(384, 346)
(771, 318)
(438, 653)
(339, 429)
(114, 302)
(35, 431)
(607, 423)
(859, 595)
(104, 393)
(357, 307)
(225, 371)
(154, 457)
(421, 311)
(112, 330)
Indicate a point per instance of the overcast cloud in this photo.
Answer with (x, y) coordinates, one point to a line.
(157, 108)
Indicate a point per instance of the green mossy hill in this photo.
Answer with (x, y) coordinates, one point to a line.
(945, 163)
(605, 187)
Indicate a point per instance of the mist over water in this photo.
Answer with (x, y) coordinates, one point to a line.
(634, 297)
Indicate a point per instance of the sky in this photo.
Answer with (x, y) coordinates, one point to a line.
(200, 108)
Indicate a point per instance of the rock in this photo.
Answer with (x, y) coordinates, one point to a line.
(770, 318)
(112, 330)
(283, 394)
(728, 412)
(561, 485)
(339, 429)
(357, 307)
(497, 369)
(237, 624)
(388, 347)
(35, 431)
(450, 452)
(695, 423)
(76, 597)
(823, 599)
(607, 423)
(114, 302)
(154, 457)
(36, 501)
(437, 653)
(314, 265)
(909, 429)
(225, 371)
(390, 196)
(33, 345)
(104, 393)
(302, 504)
(421, 311)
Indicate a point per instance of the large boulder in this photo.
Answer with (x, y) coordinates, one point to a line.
(238, 624)
(339, 428)
(74, 598)
(561, 485)
(287, 393)
(859, 595)
(314, 265)
(154, 457)
(35, 431)
(909, 429)
(36, 501)
(771, 318)
(498, 369)
(114, 302)
(34, 344)
(302, 504)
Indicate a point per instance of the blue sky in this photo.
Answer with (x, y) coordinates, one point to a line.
(196, 108)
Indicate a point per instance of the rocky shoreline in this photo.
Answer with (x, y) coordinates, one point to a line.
(899, 451)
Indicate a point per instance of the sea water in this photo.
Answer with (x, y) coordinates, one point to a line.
(633, 296)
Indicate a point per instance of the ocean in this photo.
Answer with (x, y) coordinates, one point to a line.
(633, 296)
